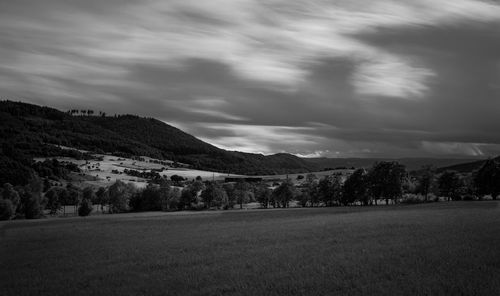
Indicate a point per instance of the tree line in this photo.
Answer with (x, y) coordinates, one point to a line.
(385, 181)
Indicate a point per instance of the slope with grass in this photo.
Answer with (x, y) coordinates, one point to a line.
(28, 131)
(431, 249)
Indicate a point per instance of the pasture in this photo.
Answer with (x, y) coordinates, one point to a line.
(111, 168)
(429, 249)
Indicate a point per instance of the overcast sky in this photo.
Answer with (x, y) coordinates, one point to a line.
(314, 78)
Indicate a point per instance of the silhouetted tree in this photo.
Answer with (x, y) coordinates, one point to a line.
(53, 202)
(356, 188)
(102, 197)
(487, 179)
(386, 179)
(449, 185)
(6, 209)
(329, 190)
(425, 181)
(85, 207)
(284, 193)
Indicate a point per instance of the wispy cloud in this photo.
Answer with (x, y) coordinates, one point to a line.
(258, 73)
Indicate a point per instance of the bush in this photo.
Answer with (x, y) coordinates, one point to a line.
(412, 199)
(85, 208)
(6, 209)
(468, 197)
(433, 197)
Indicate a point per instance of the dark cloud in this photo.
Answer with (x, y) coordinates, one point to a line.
(380, 79)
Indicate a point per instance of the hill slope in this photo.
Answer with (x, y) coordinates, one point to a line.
(30, 130)
(466, 167)
(411, 164)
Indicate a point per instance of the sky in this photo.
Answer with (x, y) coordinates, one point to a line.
(406, 78)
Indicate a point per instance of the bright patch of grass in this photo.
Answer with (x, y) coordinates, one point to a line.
(432, 249)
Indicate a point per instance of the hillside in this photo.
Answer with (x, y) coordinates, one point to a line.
(28, 130)
(466, 167)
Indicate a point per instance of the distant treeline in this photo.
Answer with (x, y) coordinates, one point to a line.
(387, 181)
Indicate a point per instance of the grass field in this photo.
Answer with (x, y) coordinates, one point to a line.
(431, 249)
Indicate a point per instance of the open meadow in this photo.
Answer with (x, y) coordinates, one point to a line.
(429, 249)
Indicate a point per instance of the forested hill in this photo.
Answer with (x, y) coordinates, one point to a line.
(411, 164)
(29, 130)
(467, 167)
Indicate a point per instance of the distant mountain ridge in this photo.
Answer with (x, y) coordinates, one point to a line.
(409, 162)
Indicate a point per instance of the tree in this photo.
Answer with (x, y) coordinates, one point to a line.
(187, 198)
(449, 185)
(356, 188)
(88, 193)
(303, 198)
(102, 197)
(32, 206)
(196, 187)
(329, 190)
(53, 202)
(64, 199)
(6, 209)
(11, 194)
(242, 193)
(173, 201)
(85, 207)
(74, 196)
(487, 179)
(263, 195)
(284, 193)
(148, 199)
(168, 200)
(231, 196)
(386, 180)
(425, 181)
(119, 196)
(214, 195)
(31, 201)
(310, 195)
(176, 179)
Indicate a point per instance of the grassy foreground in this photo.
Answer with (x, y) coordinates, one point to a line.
(433, 249)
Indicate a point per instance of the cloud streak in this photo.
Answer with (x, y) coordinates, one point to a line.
(343, 78)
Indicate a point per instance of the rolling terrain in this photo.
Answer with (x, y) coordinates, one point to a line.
(28, 131)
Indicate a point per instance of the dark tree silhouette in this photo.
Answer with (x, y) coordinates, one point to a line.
(425, 181)
(356, 188)
(487, 179)
(386, 180)
(449, 185)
